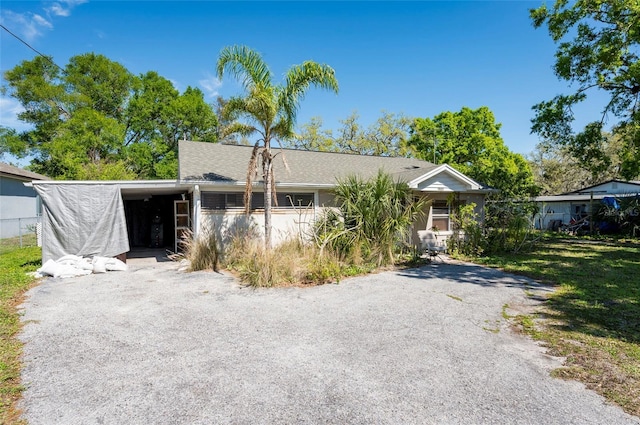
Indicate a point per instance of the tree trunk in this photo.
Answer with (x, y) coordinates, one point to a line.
(266, 163)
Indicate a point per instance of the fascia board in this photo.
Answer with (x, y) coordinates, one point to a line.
(445, 168)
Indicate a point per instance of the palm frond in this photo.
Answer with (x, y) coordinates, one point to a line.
(284, 158)
(274, 194)
(252, 173)
(244, 64)
(299, 78)
(239, 128)
(283, 128)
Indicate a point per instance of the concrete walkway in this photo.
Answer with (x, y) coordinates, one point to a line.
(422, 346)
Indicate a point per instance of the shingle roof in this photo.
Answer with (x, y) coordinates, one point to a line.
(215, 162)
(20, 173)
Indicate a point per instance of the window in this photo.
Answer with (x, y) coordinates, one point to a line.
(221, 201)
(231, 200)
(440, 215)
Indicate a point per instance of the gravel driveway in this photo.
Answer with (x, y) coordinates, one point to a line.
(157, 346)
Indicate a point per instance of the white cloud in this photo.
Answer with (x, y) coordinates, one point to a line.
(210, 84)
(9, 110)
(24, 24)
(58, 10)
(31, 25)
(39, 20)
(64, 7)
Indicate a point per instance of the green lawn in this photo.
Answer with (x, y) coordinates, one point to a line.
(593, 318)
(15, 262)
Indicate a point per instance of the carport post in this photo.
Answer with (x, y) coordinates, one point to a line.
(196, 211)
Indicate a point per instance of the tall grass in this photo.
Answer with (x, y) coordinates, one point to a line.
(289, 263)
(202, 252)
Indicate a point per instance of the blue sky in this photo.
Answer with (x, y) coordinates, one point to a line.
(414, 58)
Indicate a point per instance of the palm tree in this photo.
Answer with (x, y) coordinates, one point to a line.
(268, 110)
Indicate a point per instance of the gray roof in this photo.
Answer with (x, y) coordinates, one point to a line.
(216, 162)
(19, 173)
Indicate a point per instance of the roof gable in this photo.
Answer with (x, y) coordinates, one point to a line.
(444, 178)
(610, 186)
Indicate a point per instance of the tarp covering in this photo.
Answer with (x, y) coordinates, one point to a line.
(84, 220)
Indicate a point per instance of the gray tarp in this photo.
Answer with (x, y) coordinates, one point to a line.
(84, 220)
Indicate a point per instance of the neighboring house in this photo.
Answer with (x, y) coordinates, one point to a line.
(19, 205)
(555, 210)
(211, 183)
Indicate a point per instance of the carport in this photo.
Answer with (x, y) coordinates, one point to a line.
(113, 218)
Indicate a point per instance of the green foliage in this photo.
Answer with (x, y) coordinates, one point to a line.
(266, 109)
(556, 170)
(10, 142)
(508, 226)
(94, 118)
(598, 45)
(386, 137)
(15, 262)
(469, 140)
(373, 217)
(468, 236)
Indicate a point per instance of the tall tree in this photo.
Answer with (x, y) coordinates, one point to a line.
(598, 49)
(267, 109)
(95, 119)
(556, 170)
(470, 141)
(387, 136)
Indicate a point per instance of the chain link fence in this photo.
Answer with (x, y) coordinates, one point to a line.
(26, 231)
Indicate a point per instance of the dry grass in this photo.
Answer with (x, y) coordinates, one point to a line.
(202, 253)
(289, 263)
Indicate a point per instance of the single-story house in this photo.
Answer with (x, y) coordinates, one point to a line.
(209, 194)
(555, 210)
(19, 205)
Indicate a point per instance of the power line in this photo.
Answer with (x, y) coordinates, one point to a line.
(32, 48)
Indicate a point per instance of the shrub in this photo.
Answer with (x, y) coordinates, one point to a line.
(202, 252)
(508, 226)
(373, 217)
(468, 237)
(290, 262)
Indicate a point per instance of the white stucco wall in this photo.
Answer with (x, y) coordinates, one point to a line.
(286, 223)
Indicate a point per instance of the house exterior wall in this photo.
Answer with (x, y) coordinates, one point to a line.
(286, 224)
(426, 222)
(19, 207)
(292, 223)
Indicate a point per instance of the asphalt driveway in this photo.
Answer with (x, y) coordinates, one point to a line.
(426, 346)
